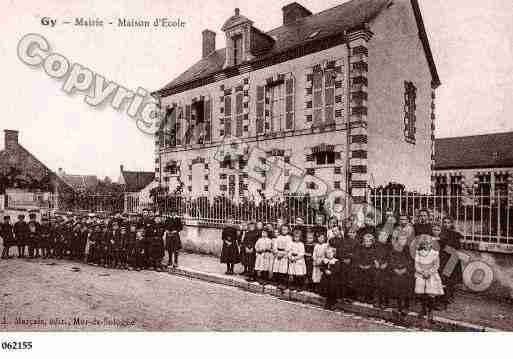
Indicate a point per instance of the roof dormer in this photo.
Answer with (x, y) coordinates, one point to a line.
(237, 30)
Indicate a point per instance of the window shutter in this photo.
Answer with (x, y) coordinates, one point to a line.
(173, 127)
(208, 118)
(289, 104)
(179, 118)
(228, 115)
(239, 116)
(187, 124)
(260, 106)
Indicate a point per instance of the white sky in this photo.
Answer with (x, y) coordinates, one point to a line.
(472, 42)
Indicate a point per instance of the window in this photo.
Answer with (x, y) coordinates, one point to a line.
(325, 157)
(484, 188)
(237, 49)
(455, 185)
(323, 83)
(501, 187)
(410, 95)
(279, 96)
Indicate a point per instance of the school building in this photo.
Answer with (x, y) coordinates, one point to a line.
(346, 95)
(480, 164)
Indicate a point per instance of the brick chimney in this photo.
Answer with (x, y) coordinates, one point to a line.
(10, 139)
(293, 12)
(209, 42)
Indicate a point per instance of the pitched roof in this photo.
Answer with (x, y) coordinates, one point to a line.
(325, 24)
(484, 151)
(137, 180)
(80, 181)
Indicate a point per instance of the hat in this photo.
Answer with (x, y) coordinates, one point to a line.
(32, 215)
(7, 217)
(21, 216)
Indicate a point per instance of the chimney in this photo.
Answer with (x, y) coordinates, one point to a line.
(10, 139)
(209, 42)
(293, 12)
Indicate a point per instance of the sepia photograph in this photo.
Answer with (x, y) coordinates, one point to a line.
(324, 166)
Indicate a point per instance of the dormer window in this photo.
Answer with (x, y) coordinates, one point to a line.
(237, 49)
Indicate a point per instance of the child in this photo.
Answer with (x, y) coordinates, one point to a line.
(364, 267)
(428, 284)
(230, 249)
(32, 240)
(346, 258)
(248, 256)
(400, 268)
(296, 256)
(330, 282)
(381, 258)
(259, 228)
(318, 255)
(264, 256)
(140, 246)
(281, 262)
(309, 249)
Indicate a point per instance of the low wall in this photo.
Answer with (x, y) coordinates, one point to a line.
(207, 240)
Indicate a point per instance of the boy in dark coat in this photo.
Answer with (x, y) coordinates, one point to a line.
(33, 240)
(330, 282)
(365, 267)
(381, 258)
(20, 233)
(347, 266)
(309, 248)
(7, 234)
(248, 254)
(230, 249)
(401, 270)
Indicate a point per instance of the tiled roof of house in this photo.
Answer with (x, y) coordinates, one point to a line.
(313, 28)
(80, 181)
(137, 180)
(484, 151)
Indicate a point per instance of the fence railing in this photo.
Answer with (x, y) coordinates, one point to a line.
(485, 221)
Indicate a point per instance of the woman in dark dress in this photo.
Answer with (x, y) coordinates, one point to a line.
(230, 250)
(450, 239)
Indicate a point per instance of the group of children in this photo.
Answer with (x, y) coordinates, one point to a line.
(114, 242)
(394, 260)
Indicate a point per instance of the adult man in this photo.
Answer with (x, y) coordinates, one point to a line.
(423, 226)
(7, 234)
(174, 226)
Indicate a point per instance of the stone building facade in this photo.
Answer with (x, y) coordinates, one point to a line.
(344, 99)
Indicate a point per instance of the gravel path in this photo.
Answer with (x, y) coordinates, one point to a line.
(50, 295)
